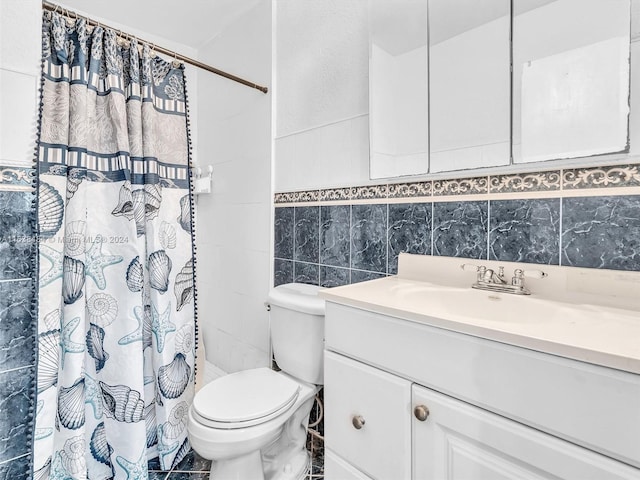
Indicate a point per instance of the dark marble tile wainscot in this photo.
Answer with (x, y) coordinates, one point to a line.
(17, 322)
(321, 241)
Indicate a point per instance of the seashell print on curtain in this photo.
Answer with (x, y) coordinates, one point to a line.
(116, 333)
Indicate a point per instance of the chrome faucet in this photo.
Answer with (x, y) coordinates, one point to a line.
(488, 279)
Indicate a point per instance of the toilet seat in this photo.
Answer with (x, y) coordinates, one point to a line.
(245, 398)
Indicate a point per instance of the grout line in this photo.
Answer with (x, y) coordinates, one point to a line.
(386, 253)
(6, 462)
(488, 227)
(293, 245)
(319, 127)
(23, 367)
(9, 280)
(350, 240)
(560, 231)
(319, 242)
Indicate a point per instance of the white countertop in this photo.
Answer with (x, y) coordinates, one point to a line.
(598, 334)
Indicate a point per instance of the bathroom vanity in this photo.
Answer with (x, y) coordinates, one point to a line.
(434, 380)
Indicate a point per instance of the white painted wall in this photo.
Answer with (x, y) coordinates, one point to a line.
(321, 106)
(233, 227)
(20, 46)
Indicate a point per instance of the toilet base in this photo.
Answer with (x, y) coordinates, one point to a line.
(250, 467)
(246, 467)
(296, 468)
(287, 458)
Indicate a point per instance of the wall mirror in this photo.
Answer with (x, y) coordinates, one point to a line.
(469, 84)
(570, 84)
(398, 88)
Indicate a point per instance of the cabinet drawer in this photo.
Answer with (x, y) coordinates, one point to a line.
(380, 447)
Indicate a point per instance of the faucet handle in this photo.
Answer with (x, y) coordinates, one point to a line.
(518, 278)
(519, 275)
(469, 267)
(533, 273)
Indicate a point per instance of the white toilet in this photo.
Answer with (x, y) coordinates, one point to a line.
(253, 423)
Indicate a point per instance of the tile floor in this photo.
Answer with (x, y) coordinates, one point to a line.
(192, 467)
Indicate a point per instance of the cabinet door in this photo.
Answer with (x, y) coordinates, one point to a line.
(367, 418)
(459, 441)
(335, 468)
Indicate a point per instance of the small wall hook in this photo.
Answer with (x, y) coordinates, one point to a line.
(202, 183)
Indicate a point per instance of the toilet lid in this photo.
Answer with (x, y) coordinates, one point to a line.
(246, 398)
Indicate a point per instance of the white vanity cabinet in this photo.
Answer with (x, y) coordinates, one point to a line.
(406, 400)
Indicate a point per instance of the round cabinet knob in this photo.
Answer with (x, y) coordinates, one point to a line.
(357, 421)
(421, 412)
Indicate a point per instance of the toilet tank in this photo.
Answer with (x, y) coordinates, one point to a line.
(297, 330)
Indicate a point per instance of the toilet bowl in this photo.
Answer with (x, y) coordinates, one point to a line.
(252, 423)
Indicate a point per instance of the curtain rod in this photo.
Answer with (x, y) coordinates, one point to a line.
(52, 7)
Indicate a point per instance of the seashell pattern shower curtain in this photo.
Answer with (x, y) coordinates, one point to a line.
(116, 336)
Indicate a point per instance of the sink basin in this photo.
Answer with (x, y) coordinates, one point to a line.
(467, 304)
(408, 289)
(574, 313)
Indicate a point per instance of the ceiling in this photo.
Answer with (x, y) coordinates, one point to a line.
(400, 26)
(191, 23)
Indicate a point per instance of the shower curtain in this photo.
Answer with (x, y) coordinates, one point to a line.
(116, 302)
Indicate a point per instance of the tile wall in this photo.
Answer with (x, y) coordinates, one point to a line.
(17, 321)
(588, 217)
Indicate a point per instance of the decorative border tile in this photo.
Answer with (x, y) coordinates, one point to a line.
(460, 186)
(297, 197)
(410, 190)
(282, 198)
(369, 192)
(601, 177)
(525, 182)
(20, 176)
(329, 194)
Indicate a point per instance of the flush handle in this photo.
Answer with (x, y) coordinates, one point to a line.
(357, 421)
(421, 412)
